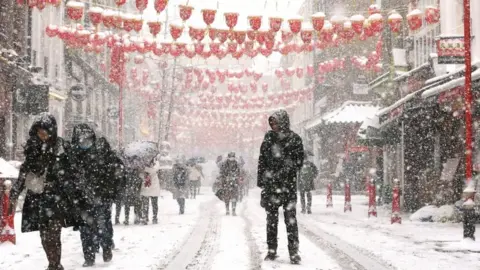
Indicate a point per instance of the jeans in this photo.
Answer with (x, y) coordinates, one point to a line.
(52, 244)
(97, 231)
(288, 202)
(309, 200)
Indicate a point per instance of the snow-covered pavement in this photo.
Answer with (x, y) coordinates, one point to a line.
(205, 238)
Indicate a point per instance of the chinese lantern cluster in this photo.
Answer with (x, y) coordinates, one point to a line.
(39, 4)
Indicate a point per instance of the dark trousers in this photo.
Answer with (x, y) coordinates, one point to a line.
(137, 208)
(118, 209)
(288, 202)
(98, 231)
(146, 207)
(52, 244)
(309, 200)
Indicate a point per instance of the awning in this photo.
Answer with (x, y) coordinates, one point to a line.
(349, 112)
(450, 85)
(7, 170)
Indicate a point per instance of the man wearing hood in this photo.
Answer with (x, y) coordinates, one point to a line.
(229, 175)
(51, 196)
(98, 172)
(281, 158)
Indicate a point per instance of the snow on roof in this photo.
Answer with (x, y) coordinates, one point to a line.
(407, 74)
(349, 112)
(7, 170)
(449, 85)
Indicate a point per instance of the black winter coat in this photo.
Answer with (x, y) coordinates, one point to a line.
(306, 176)
(281, 157)
(57, 202)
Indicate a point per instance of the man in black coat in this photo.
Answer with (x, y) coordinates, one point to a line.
(98, 172)
(306, 184)
(51, 195)
(281, 157)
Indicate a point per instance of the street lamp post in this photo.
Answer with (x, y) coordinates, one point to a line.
(469, 192)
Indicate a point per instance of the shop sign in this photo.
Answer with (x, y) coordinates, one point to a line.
(78, 92)
(451, 50)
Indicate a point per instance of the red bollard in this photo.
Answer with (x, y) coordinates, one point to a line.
(7, 228)
(329, 194)
(396, 218)
(348, 198)
(372, 198)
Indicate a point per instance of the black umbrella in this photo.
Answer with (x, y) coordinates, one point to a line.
(140, 154)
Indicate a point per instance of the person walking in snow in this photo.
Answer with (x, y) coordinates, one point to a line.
(150, 191)
(180, 178)
(281, 157)
(229, 176)
(132, 193)
(51, 199)
(98, 172)
(194, 177)
(306, 178)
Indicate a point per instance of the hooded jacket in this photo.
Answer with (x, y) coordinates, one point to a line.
(56, 202)
(97, 169)
(281, 156)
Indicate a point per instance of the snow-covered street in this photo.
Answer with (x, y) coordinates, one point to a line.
(204, 238)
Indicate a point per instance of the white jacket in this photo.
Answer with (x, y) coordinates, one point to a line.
(194, 174)
(154, 189)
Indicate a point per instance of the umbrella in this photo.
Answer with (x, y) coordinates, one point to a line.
(140, 154)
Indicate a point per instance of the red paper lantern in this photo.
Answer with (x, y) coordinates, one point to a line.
(257, 76)
(261, 37)
(231, 19)
(432, 15)
(318, 20)
(255, 22)
(373, 9)
(185, 12)
(107, 18)
(221, 34)
(137, 24)
(299, 72)
(51, 30)
(275, 23)
(310, 70)
(232, 47)
(265, 51)
(414, 19)
(326, 35)
(75, 10)
(357, 23)
(155, 27)
(209, 16)
(287, 36)
(306, 35)
(376, 22)
(290, 71)
(160, 5)
(141, 4)
(367, 28)
(265, 87)
(395, 22)
(237, 54)
(347, 32)
(295, 24)
(55, 3)
(41, 4)
(95, 15)
(337, 23)
(240, 36)
(138, 59)
(176, 31)
(98, 39)
(120, 2)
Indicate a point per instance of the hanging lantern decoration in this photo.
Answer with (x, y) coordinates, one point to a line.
(155, 27)
(98, 39)
(209, 16)
(275, 23)
(306, 33)
(357, 23)
(395, 22)
(138, 59)
(290, 71)
(185, 12)
(231, 19)
(197, 34)
(432, 15)
(265, 87)
(299, 72)
(120, 3)
(237, 54)
(41, 4)
(55, 3)
(310, 70)
(137, 23)
(128, 22)
(160, 5)
(414, 19)
(75, 10)
(95, 15)
(51, 30)
(337, 23)
(295, 24)
(287, 36)
(347, 32)
(318, 20)
(376, 22)
(326, 35)
(176, 31)
(141, 4)
(373, 9)
(107, 18)
(232, 47)
(240, 36)
(367, 28)
(261, 37)
(221, 34)
(255, 22)
(117, 20)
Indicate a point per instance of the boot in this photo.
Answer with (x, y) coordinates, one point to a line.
(88, 264)
(117, 221)
(107, 254)
(182, 206)
(55, 267)
(295, 259)
(303, 211)
(271, 255)
(154, 220)
(234, 207)
(309, 211)
(227, 205)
